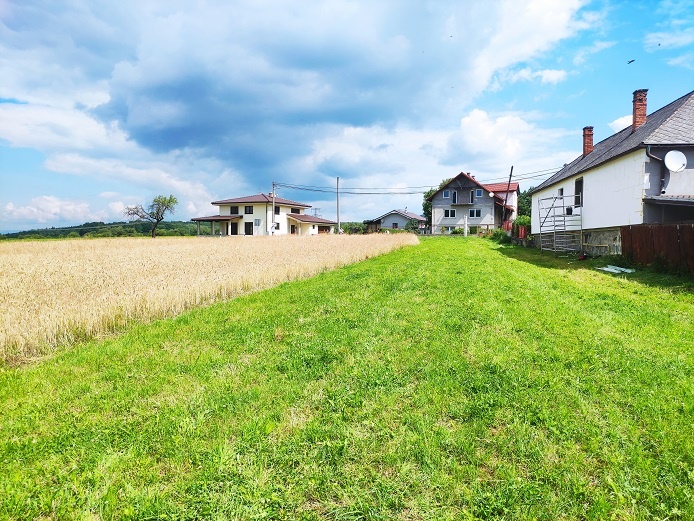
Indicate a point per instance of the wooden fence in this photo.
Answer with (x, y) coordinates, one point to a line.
(671, 244)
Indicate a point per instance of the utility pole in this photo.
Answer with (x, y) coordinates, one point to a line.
(272, 231)
(508, 187)
(338, 205)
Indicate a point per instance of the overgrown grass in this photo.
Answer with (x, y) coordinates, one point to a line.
(453, 380)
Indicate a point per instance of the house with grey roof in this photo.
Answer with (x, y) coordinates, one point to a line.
(264, 214)
(395, 220)
(643, 174)
(466, 203)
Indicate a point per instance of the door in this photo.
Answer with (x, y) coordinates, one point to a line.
(293, 229)
(234, 228)
(248, 228)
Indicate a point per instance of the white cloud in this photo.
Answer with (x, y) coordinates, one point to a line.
(675, 39)
(545, 76)
(495, 143)
(524, 30)
(583, 54)
(48, 208)
(621, 123)
(686, 61)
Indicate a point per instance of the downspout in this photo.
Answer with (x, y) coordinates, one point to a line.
(662, 168)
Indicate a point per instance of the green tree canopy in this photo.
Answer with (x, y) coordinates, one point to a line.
(525, 202)
(155, 212)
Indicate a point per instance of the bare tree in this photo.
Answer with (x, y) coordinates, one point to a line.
(155, 211)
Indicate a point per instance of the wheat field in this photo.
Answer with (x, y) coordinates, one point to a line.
(56, 293)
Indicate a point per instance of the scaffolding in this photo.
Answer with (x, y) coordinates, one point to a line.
(561, 223)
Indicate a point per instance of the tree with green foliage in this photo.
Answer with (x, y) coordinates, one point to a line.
(412, 226)
(154, 213)
(352, 228)
(525, 202)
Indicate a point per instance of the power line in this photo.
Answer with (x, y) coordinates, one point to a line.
(408, 190)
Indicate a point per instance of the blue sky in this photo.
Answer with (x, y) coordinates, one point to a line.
(108, 104)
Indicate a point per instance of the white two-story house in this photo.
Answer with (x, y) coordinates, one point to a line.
(465, 202)
(263, 214)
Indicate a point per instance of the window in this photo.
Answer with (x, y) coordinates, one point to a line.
(296, 210)
(475, 212)
(277, 226)
(560, 193)
(256, 222)
(472, 196)
(277, 210)
(395, 226)
(578, 190)
(234, 210)
(478, 192)
(248, 210)
(449, 213)
(454, 197)
(446, 194)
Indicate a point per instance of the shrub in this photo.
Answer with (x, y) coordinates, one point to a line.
(499, 235)
(522, 220)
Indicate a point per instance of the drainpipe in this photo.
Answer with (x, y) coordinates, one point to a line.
(662, 168)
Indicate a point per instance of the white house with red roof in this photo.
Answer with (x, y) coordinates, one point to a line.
(465, 202)
(263, 214)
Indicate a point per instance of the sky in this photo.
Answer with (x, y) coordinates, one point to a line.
(109, 104)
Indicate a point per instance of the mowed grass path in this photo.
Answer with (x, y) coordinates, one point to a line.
(449, 380)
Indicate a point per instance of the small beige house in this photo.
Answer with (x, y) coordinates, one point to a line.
(395, 220)
(263, 214)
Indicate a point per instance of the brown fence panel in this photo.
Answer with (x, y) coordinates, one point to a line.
(674, 243)
(687, 246)
(666, 244)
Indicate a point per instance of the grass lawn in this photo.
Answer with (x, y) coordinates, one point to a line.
(456, 379)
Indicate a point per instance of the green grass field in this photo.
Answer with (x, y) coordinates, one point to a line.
(456, 379)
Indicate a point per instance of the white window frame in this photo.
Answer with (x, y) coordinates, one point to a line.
(478, 192)
(450, 212)
(475, 213)
(454, 197)
(446, 194)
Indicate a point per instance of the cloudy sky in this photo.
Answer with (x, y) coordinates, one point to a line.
(107, 104)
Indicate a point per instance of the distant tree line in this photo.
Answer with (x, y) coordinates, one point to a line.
(115, 229)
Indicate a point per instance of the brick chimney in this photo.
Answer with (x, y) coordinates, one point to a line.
(639, 108)
(587, 140)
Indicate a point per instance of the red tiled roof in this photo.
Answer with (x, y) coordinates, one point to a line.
(502, 187)
(261, 198)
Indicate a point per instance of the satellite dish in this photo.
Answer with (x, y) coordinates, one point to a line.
(675, 161)
(491, 194)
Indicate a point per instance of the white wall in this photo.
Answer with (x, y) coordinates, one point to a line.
(612, 193)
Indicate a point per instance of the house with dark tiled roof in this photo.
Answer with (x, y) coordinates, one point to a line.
(627, 179)
(395, 220)
(464, 202)
(264, 214)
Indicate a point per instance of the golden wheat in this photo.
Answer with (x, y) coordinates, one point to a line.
(54, 293)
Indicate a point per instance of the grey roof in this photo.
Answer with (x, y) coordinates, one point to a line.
(404, 213)
(671, 125)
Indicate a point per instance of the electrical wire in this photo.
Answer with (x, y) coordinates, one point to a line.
(408, 190)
